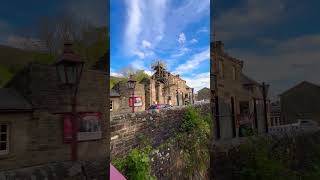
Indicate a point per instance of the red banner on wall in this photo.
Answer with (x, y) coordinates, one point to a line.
(67, 128)
(137, 101)
(89, 126)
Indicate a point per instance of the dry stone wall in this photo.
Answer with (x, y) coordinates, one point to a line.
(157, 126)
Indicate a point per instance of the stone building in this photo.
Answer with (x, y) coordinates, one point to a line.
(240, 98)
(32, 117)
(15, 112)
(300, 102)
(161, 88)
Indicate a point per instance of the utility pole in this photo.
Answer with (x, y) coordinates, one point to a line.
(264, 93)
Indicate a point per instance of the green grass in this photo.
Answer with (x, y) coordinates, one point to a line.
(12, 60)
(5, 75)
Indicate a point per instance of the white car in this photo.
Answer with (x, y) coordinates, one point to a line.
(308, 124)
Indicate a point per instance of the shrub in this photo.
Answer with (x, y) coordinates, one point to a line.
(194, 140)
(286, 158)
(136, 165)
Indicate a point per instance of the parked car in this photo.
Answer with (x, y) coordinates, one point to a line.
(307, 124)
(159, 106)
(303, 125)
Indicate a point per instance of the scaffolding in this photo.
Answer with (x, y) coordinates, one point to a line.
(161, 75)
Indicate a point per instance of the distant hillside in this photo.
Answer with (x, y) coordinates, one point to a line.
(139, 75)
(91, 48)
(114, 80)
(13, 59)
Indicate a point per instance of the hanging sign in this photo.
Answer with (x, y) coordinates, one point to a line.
(137, 101)
(89, 126)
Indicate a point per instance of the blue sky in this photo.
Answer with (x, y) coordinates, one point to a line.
(176, 32)
(17, 16)
(278, 40)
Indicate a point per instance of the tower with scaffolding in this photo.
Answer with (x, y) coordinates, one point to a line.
(169, 86)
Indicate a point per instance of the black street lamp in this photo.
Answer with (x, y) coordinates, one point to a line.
(69, 69)
(131, 85)
(265, 89)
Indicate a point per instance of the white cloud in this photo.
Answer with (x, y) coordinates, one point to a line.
(182, 51)
(151, 27)
(193, 41)
(150, 73)
(182, 38)
(147, 16)
(115, 74)
(198, 81)
(138, 64)
(146, 44)
(202, 30)
(194, 62)
(140, 54)
(133, 26)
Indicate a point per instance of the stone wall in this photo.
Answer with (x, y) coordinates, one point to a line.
(155, 125)
(40, 137)
(82, 170)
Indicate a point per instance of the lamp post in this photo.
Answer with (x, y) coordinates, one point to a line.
(131, 86)
(69, 69)
(265, 89)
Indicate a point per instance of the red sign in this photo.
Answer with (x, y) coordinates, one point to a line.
(137, 101)
(67, 128)
(89, 126)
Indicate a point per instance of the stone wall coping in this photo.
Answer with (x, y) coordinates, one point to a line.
(146, 112)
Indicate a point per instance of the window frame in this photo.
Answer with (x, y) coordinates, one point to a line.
(6, 151)
(111, 105)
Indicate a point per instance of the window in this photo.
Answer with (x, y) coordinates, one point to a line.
(111, 105)
(4, 139)
(234, 75)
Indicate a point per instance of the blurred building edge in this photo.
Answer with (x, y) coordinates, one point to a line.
(103, 63)
(300, 102)
(240, 105)
(162, 87)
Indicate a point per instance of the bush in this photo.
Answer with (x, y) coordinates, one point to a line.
(136, 165)
(288, 158)
(194, 141)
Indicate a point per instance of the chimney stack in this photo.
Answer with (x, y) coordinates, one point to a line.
(219, 46)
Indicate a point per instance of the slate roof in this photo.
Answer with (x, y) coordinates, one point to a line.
(248, 81)
(114, 93)
(11, 100)
(303, 83)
